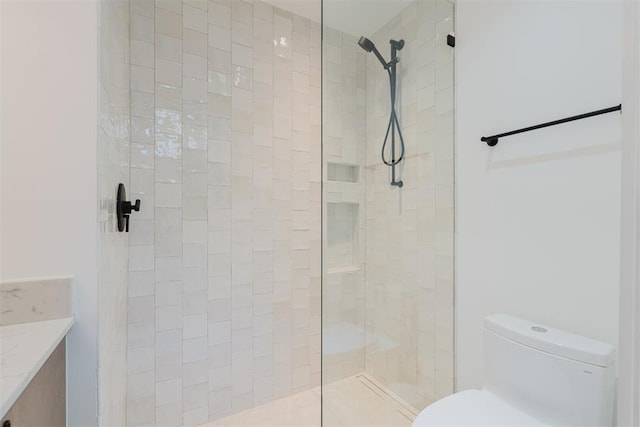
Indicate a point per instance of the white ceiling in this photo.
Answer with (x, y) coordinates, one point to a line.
(356, 17)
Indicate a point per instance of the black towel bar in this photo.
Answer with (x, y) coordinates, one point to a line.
(493, 140)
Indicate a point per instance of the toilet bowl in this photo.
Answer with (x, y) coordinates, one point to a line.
(534, 376)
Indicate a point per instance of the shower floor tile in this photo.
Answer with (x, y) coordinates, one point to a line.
(350, 402)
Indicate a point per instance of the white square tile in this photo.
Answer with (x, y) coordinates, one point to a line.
(169, 73)
(142, 53)
(220, 15)
(220, 38)
(168, 269)
(195, 113)
(195, 279)
(142, 79)
(219, 61)
(194, 18)
(168, 366)
(142, 130)
(141, 412)
(141, 258)
(141, 231)
(195, 66)
(194, 349)
(141, 283)
(195, 302)
(220, 82)
(142, 156)
(241, 100)
(142, 7)
(168, 317)
(171, 414)
(140, 335)
(168, 48)
(242, 34)
(140, 309)
(220, 402)
(195, 184)
(170, 5)
(168, 294)
(194, 90)
(169, 391)
(194, 326)
(194, 42)
(195, 231)
(140, 360)
(219, 332)
(169, 98)
(200, 4)
(192, 373)
(168, 23)
(263, 10)
(242, 77)
(241, 55)
(168, 244)
(168, 195)
(141, 385)
(168, 170)
(141, 28)
(242, 12)
(219, 129)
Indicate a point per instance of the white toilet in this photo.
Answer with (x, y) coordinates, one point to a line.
(534, 376)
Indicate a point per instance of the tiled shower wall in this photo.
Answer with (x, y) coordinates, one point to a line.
(409, 232)
(224, 288)
(113, 168)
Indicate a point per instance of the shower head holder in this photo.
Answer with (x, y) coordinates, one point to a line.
(397, 44)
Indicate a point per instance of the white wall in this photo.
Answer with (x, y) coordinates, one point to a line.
(629, 342)
(538, 215)
(48, 189)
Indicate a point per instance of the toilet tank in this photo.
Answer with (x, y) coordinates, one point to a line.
(560, 378)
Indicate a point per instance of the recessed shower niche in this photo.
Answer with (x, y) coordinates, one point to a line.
(342, 237)
(338, 172)
(344, 195)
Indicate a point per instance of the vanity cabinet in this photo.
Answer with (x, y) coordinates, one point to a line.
(42, 403)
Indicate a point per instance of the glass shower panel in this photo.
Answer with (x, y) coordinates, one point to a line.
(388, 284)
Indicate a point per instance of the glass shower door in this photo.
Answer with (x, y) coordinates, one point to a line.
(388, 256)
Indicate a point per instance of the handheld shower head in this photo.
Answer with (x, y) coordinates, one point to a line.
(368, 45)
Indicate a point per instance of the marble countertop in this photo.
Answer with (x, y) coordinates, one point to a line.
(23, 350)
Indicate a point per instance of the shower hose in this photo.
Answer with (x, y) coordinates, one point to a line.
(393, 126)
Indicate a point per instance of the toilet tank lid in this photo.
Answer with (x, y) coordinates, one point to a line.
(550, 340)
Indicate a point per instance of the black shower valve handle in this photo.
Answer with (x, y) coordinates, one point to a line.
(128, 207)
(124, 208)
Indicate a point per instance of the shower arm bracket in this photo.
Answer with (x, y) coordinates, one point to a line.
(391, 63)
